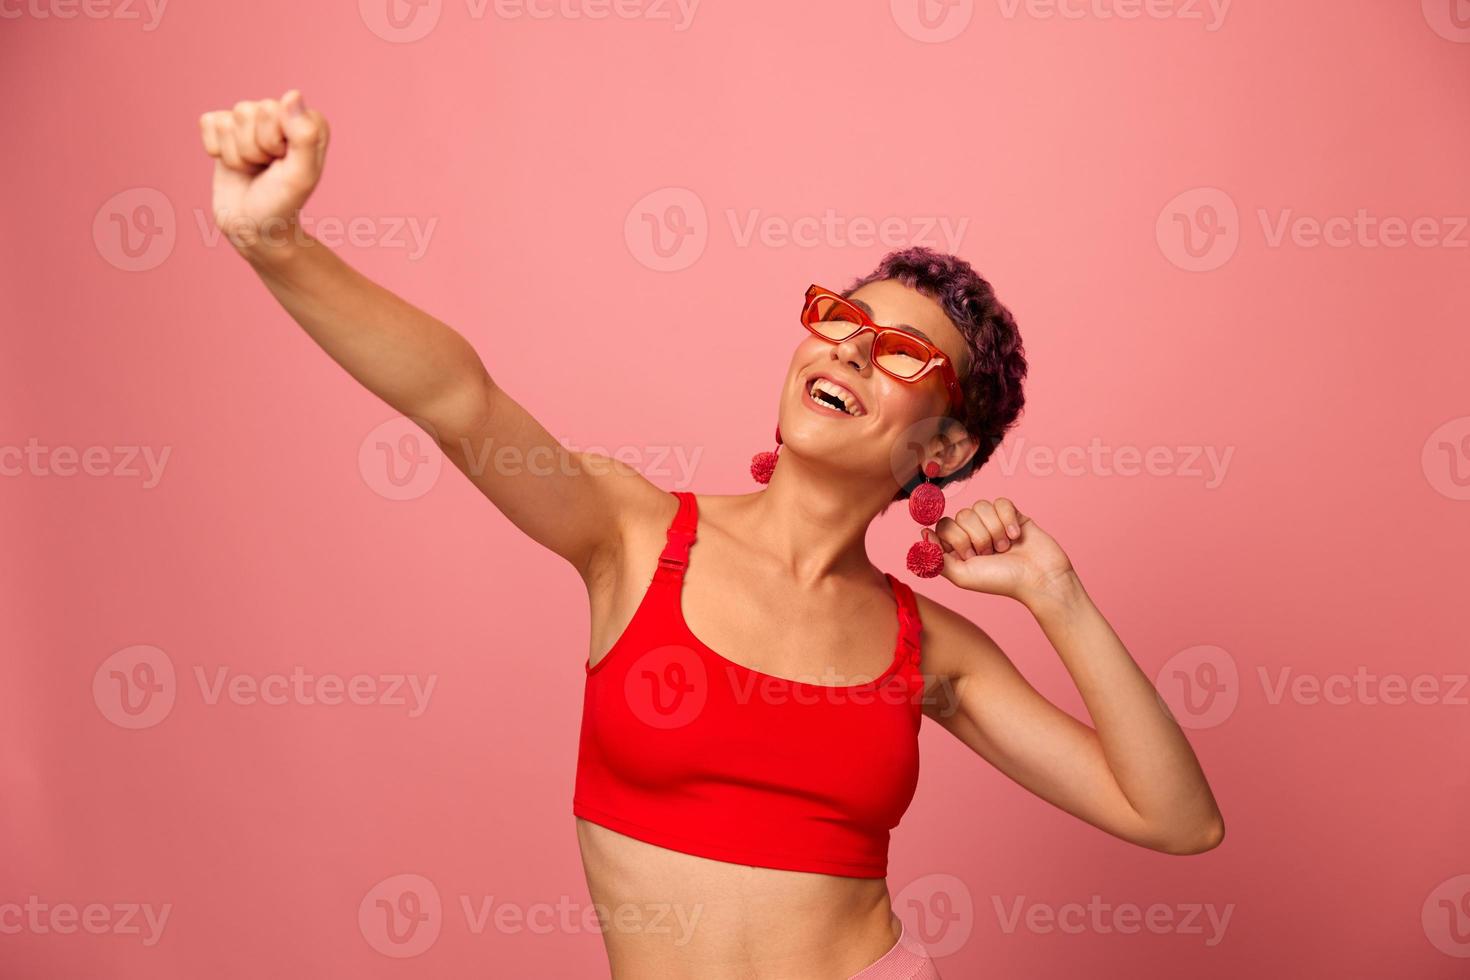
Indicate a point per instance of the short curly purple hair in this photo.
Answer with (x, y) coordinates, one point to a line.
(992, 386)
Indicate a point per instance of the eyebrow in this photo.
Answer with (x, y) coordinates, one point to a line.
(900, 326)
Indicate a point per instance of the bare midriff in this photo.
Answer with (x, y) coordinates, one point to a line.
(673, 915)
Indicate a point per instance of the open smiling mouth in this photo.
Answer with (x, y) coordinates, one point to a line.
(833, 395)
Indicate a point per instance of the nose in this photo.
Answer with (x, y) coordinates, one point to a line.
(856, 350)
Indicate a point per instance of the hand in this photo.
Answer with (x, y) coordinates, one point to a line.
(992, 547)
(268, 159)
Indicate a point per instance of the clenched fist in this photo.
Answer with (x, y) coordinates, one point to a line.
(268, 159)
(992, 547)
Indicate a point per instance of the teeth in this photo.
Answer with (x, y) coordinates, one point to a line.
(849, 401)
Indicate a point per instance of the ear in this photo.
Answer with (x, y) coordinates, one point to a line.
(954, 448)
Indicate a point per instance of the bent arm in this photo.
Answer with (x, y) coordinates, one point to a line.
(1134, 776)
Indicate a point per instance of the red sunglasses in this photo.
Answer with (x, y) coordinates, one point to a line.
(897, 353)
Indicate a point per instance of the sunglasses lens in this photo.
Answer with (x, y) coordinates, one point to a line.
(831, 319)
(899, 355)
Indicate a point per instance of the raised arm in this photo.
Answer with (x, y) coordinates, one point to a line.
(268, 158)
(1134, 775)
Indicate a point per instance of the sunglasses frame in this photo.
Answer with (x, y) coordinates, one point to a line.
(938, 360)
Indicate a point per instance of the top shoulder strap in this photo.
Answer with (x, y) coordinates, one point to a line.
(681, 533)
(910, 627)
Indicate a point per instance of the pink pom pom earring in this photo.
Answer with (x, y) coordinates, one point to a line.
(762, 465)
(926, 505)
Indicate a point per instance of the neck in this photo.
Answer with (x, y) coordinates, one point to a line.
(814, 521)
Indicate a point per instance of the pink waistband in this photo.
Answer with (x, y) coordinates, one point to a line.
(907, 960)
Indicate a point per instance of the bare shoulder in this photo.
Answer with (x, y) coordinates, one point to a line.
(953, 646)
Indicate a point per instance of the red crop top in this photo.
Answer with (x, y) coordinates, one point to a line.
(687, 750)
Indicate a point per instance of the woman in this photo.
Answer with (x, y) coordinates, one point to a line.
(755, 684)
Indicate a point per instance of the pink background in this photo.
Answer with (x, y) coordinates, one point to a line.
(1076, 149)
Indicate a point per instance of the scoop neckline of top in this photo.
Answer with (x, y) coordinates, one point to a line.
(898, 646)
